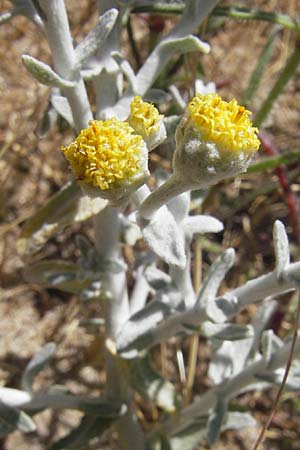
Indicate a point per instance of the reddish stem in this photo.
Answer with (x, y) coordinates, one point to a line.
(282, 173)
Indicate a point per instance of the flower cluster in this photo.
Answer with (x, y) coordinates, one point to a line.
(227, 124)
(106, 153)
(147, 122)
(110, 157)
(215, 139)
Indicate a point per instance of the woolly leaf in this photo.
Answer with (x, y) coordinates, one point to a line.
(228, 331)
(138, 332)
(215, 276)
(281, 247)
(164, 237)
(96, 37)
(150, 385)
(44, 74)
(156, 278)
(62, 107)
(201, 224)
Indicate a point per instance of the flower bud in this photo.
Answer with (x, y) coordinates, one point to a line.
(145, 119)
(108, 159)
(215, 139)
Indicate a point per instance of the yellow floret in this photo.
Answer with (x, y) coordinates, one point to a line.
(144, 117)
(226, 124)
(105, 154)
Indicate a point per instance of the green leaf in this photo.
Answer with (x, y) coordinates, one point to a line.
(44, 74)
(284, 77)
(261, 65)
(12, 419)
(150, 384)
(65, 207)
(274, 161)
(37, 363)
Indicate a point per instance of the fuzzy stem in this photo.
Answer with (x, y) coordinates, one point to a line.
(162, 195)
(107, 229)
(60, 41)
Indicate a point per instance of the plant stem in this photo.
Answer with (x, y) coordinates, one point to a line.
(107, 229)
(162, 195)
(60, 41)
(234, 12)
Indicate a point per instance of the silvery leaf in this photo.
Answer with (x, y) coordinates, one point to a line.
(37, 363)
(171, 123)
(44, 74)
(156, 278)
(201, 224)
(48, 120)
(227, 331)
(260, 321)
(215, 276)
(131, 232)
(89, 74)
(96, 37)
(189, 438)
(179, 206)
(221, 364)
(126, 69)
(162, 54)
(216, 420)
(270, 344)
(138, 332)
(157, 96)
(62, 107)
(165, 238)
(150, 385)
(12, 419)
(228, 359)
(281, 247)
(237, 420)
(178, 100)
(275, 378)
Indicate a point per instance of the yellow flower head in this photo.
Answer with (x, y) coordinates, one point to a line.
(226, 124)
(107, 155)
(215, 139)
(146, 121)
